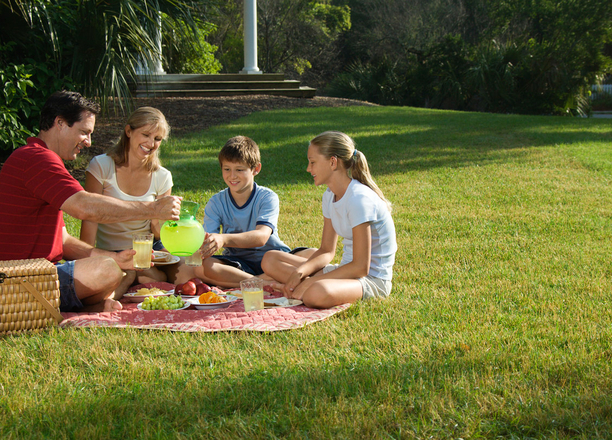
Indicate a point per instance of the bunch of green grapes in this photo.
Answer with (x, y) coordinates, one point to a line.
(171, 302)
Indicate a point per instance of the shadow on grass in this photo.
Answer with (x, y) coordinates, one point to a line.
(356, 398)
(394, 140)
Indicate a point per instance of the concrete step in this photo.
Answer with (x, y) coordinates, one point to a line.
(301, 92)
(171, 77)
(227, 85)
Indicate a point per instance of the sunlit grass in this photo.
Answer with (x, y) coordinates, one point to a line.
(498, 326)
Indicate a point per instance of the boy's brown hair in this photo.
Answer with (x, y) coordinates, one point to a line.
(240, 149)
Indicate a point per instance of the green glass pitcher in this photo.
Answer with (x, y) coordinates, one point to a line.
(185, 236)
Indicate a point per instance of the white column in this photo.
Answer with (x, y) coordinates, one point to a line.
(156, 69)
(250, 37)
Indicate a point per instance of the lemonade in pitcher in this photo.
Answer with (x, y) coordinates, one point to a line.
(183, 237)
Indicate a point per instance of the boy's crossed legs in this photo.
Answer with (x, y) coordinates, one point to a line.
(224, 271)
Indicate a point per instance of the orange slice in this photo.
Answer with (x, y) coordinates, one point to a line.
(210, 298)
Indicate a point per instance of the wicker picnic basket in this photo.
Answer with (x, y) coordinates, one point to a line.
(29, 295)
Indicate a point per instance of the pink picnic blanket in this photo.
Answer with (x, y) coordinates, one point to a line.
(232, 318)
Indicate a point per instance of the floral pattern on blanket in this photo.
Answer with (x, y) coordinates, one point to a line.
(232, 318)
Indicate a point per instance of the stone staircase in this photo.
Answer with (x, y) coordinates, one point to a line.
(194, 85)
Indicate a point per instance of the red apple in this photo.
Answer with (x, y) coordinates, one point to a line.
(189, 288)
(202, 288)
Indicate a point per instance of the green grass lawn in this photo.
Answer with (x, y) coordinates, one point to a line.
(499, 325)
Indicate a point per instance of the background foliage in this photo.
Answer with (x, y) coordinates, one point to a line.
(93, 46)
(484, 55)
(497, 56)
(184, 53)
(297, 37)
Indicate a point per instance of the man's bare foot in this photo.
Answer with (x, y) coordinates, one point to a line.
(108, 305)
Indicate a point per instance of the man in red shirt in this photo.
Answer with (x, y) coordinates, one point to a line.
(35, 191)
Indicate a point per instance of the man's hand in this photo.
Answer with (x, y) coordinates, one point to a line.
(125, 259)
(168, 208)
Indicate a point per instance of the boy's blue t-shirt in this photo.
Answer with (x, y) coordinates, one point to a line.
(262, 208)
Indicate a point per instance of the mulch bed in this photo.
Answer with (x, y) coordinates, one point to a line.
(189, 115)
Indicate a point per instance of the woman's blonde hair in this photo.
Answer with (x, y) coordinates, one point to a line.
(340, 145)
(142, 117)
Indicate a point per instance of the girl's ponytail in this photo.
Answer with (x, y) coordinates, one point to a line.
(361, 172)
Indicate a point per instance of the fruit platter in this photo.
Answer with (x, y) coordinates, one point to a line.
(192, 288)
(141, 294)
(170, 302)
(211, 300)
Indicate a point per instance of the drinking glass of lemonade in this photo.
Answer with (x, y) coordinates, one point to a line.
(252, 294)
(143, 245)
(194, 259)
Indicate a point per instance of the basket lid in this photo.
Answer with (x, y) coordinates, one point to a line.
(20, 268)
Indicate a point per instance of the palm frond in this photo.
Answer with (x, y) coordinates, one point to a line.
(100, 44)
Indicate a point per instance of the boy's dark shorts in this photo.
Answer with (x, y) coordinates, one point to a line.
(69, 302)
(250, 267)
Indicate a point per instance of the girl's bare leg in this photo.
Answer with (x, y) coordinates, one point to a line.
(326, 293)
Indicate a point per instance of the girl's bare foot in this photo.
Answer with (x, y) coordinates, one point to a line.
(276, 286)
(268, 282)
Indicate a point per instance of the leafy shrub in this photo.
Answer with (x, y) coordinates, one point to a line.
(377, 82)
(356, 83)
(16, 108)
(441, 75)
(528, 78)
(182, 55)
(25, 88)
(100, 44)
(492, 79)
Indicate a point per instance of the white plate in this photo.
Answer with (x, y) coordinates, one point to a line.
(230, 300)
(187, 304)
(237, 293)
(174, 260)
(275, 303)
(132, 297)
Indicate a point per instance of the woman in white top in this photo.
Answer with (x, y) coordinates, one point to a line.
(353, 208)
(130, 171)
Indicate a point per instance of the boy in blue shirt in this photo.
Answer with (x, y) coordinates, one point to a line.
(246, 213)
